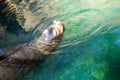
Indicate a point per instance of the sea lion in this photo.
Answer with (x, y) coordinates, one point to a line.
(17, 61)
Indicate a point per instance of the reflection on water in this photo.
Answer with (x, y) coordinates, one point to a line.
(90, 49)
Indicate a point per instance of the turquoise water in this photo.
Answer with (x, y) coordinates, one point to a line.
(90, 49)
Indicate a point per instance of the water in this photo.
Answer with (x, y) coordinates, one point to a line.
(90, 49)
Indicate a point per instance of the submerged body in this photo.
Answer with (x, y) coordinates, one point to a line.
(17, 61)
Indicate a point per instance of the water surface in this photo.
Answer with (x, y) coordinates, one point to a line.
(90, 49)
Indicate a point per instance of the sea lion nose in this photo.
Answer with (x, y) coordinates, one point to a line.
(58, 25)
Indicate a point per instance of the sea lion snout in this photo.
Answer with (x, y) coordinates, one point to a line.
(58, 25)
(54, 31)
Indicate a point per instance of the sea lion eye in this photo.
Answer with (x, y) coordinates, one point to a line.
(50, 31)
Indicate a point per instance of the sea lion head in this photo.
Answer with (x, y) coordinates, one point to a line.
(54, 32)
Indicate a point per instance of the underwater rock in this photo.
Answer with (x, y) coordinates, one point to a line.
(16, 15)
(17, 20)
(15, 62)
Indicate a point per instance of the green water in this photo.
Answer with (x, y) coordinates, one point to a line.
(90, 49)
